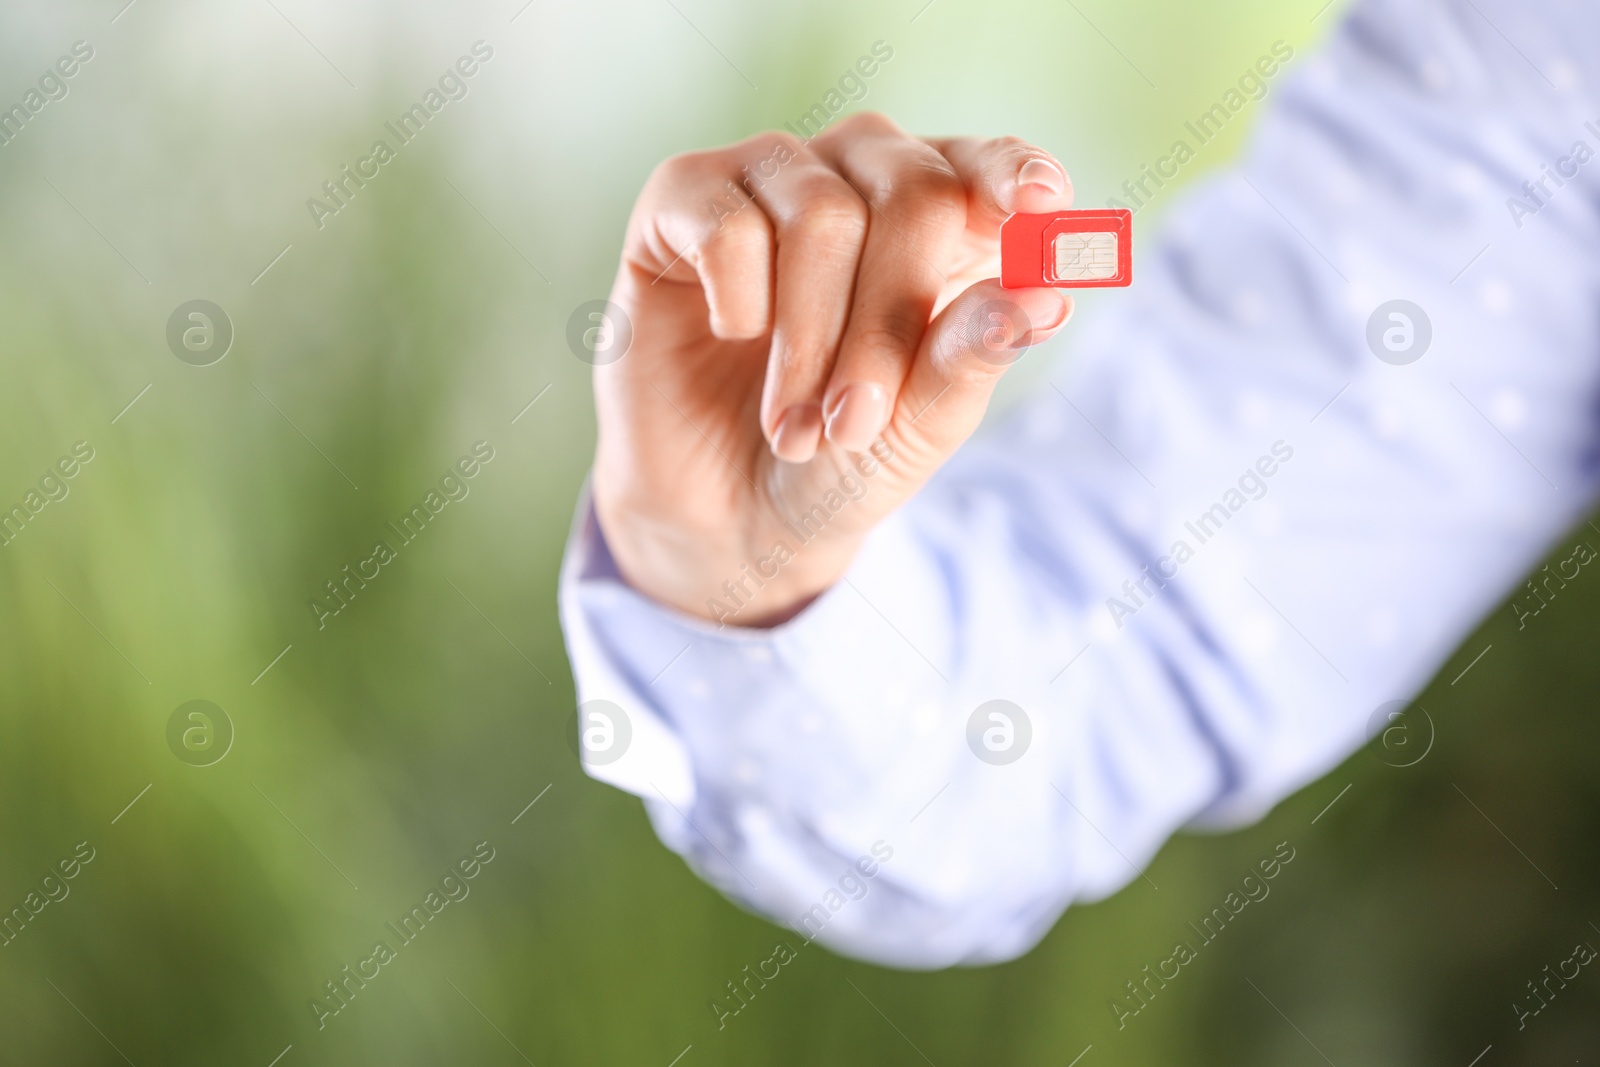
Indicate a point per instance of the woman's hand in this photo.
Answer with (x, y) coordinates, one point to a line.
(815, 327)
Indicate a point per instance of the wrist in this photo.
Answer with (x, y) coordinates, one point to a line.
(756, 578)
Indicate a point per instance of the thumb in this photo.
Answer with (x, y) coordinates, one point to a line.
(964, 353)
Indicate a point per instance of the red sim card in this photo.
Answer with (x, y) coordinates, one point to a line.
(1067, 249)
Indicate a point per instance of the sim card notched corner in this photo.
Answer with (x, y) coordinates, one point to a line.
(1067, 249)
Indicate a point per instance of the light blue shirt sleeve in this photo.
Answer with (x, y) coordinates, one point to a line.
(1206, 549)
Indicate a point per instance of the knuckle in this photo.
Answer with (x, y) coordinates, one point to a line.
(867, 122)
(767, 150)
(998, 160)
(692, 173)
(1009, 149)
(768, 141)
(784, 143)
(739, 237)
(829, 206)
(892, 330)
(677, 171)
(926, 193)
(933, 183)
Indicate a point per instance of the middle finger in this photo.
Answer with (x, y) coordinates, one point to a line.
(918, 214)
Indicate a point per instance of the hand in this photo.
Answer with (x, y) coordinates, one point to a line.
(816, 327)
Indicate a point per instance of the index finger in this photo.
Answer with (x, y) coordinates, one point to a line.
(1004, 175)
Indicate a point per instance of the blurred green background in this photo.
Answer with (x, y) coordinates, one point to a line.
(379, 751)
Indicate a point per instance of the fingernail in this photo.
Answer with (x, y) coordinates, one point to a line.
(1043, 172)
(1045, 308)
(858, 416)
(797, 434)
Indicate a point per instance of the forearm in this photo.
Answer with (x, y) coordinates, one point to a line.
(1200, 559)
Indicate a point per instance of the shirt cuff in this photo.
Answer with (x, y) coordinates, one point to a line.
(684, 686)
